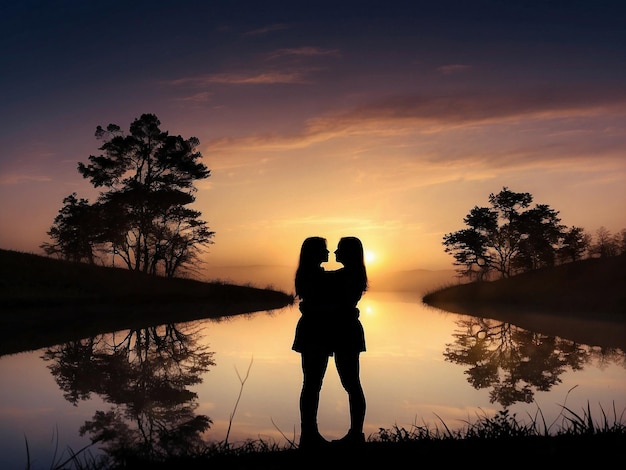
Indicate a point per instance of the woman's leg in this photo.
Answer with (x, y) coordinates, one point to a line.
(313, 371)
(348, 368)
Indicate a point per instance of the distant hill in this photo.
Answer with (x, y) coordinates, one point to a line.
(281, 277)
(415, 280)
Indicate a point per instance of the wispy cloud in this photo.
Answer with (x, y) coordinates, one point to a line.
(490, 134)
(453, 68)
(401, 115)
(304, 52)
(267, 29)
(292, 70)
(202, 97)
(474, 107)
(253, 78)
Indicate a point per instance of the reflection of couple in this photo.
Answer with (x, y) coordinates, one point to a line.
(329, 325)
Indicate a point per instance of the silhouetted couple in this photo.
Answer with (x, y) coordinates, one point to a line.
(329, 325)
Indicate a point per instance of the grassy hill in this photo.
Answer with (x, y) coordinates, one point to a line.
(592, 286)
(45, 301)
(583, 301)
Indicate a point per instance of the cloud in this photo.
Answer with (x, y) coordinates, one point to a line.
(291, 71)
(267, 29)
(481, 107)
(407, 114)
(489, 134)
(304, 52)
(269, 77)
(202, 97)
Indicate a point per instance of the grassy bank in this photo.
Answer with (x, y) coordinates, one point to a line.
(501, 440)
(46, 301)
(587, 288)
(584, 301)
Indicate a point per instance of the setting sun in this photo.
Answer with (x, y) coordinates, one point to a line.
(370, 256)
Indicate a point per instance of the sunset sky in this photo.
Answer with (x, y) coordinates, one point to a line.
(385, 120)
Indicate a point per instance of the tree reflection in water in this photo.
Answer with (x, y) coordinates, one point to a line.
(515, 362)
(145, 375)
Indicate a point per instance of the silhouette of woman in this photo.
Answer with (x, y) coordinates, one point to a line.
(329, 324)
(348, 285)
(312, 338)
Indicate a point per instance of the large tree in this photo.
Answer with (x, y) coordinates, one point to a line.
(149, 177)
(508, 237)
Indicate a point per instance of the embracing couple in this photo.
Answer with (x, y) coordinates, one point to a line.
(329, 325)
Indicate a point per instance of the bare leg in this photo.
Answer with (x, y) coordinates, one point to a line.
(313, 371)
(348, 368)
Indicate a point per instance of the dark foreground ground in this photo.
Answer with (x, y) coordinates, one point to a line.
(525, 452)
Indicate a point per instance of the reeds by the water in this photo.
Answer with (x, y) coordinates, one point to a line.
(504, 425)
(502, 436)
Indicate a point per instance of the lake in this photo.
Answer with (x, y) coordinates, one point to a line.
(423, 367)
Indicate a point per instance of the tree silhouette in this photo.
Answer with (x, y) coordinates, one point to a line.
(508, 237)
(574, 245)
(74, 231)
(608, 245)
(146, 376)
(514, 363)
(143, 215)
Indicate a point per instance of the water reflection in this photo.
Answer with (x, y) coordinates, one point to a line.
(145, 375)
(515, 363)
(149, 390)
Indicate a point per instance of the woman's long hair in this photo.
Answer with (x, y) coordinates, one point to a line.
(311, 256)
(354, 258)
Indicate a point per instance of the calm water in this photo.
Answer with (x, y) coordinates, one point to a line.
(423, 366)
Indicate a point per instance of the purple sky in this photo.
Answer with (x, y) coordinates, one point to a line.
(385, 120)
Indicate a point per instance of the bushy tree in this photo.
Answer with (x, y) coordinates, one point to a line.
(74, 233)
(508, 237)
(149, 178)
(540, 234)
(575, 245)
